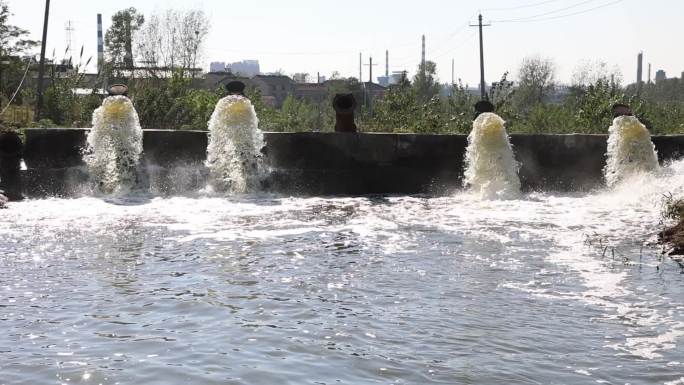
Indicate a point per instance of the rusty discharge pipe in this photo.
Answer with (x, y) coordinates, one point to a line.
(620, 109)
(344, 105)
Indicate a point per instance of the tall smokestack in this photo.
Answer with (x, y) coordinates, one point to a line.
(100, 45)
(640, 68)
(387, 64)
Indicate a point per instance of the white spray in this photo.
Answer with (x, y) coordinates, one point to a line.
(114, 145)
(491, 169)
(235, 142)
(630, 150)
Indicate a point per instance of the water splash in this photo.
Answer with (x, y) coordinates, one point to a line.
(630, 150)
(114, 145)
(491, 169)
(234, 153)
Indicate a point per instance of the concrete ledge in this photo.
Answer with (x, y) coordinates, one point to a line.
(336, 163)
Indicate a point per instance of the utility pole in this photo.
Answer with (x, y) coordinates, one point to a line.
(370, 67)
(41, 68)
(483, 92)
(370, 95)
(360, 67)
(69, 33)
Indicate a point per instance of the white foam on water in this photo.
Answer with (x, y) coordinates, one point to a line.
(538, 229)
(114, 146)
(617, 213)
(491, 169)
(235, 142)
(630, 150)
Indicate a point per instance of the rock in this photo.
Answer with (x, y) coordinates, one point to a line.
(3, 201)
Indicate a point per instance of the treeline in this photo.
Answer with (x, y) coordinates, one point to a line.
(535, 104)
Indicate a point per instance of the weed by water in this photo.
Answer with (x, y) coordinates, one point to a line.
(672, 207)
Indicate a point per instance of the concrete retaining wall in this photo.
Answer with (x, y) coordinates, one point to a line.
(334, 163)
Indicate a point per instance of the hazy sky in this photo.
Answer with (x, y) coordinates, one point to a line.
(325, 36)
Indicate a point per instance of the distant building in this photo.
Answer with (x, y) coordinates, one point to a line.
(248, 68)
(384, 81)
(397, 76)
(277, 87)
(314, 93)
(217, 66)
(660, 76)
(274, 89)
(300, 77)
(558, 95)
(317, 93)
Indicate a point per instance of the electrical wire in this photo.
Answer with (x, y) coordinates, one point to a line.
(467, 39)
(21, 83)
(547, 13)
(526, 20)
(520, 6)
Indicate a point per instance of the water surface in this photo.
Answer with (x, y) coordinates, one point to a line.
(546, 289)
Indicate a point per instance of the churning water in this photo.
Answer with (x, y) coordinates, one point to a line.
(114, 146)
(491, 169)
(235, 142)
(545, 289)
(630, 150)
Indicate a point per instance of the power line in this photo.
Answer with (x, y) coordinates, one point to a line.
(520, 6)
(549, 12)
(531, 20)
(461, 42)
(458, 44)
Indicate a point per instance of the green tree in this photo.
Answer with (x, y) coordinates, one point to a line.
(173, 39)
(120, 35)
(62, 105)
(592, 105)
(392, 113)
(460, 104)
(12, 38)
(425, 82)
(536, 78)
(297, 115)
(13, 44)
(403, 109)
(267, 115)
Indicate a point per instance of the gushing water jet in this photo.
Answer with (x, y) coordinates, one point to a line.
(114, 144)
(491, 169)
(234, 155)
(630, 149)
